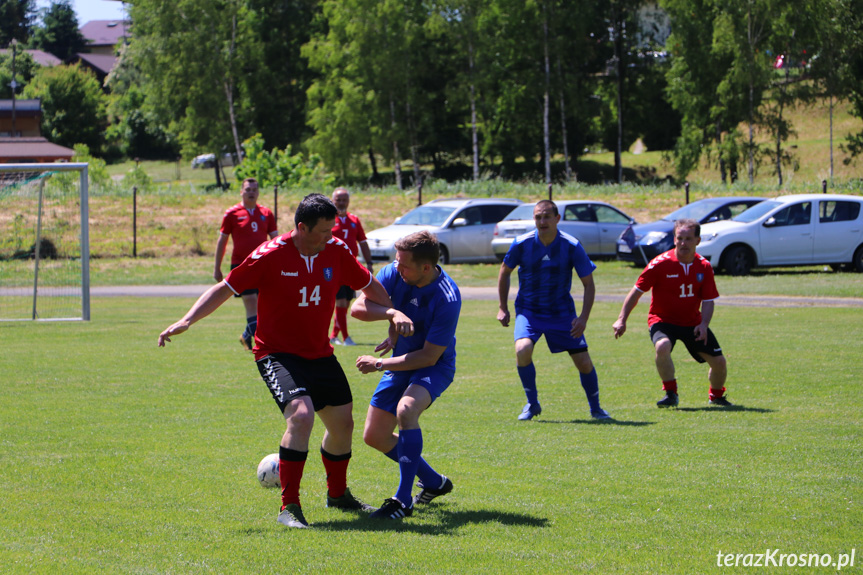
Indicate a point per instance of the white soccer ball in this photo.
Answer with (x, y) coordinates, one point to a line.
(268, 471)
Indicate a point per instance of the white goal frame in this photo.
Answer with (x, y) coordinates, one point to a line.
(85, 236)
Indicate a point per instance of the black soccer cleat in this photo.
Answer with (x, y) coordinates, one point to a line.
(720, 402)
(349, 502)
(393, 509)
(670, 400)
(427, 494)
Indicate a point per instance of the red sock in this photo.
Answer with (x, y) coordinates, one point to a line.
(670, 386)
(342, 320)
(336, 467)
(716, 393)
(291, 464)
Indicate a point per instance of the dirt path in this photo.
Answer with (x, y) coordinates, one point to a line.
(490, 294)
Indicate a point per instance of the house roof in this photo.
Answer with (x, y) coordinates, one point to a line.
(22, 107)
(40, 57)
(38, 149)
(104, 32)
(104, 63)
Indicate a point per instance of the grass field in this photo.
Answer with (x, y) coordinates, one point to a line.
(121, 457)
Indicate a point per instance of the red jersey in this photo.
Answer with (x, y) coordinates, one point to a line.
(296, 294)
(247, 229)
(678, 289)
(349, 230)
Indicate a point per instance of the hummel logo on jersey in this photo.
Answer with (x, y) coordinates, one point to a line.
(545, 258)
(672, 275)
(415, 302)
(290, 274)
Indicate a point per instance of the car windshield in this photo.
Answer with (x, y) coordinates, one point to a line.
(426, 216)
(695, 211)
(756, 211)
(523, 212)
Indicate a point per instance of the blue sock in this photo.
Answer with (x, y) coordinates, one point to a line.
(251, 326)
(590, 383)
(428, 476)
(527, 374)
(410, 448)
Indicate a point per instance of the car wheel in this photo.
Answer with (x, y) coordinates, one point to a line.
(857, 264)
(444, 255)
(738, 261)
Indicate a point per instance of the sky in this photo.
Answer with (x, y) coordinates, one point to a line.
(92, 9)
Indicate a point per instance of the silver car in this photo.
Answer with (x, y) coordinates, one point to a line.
(463, 227)
(596, 225)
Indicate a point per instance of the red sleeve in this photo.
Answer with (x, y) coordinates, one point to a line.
(227, 224)
(646, 280)
(271, 223)
(246, 275)
(353, 274)
(361, 234)
(708, 290)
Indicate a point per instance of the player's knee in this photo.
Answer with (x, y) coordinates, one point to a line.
(301, 420)
(407, 415)
(375, 438)
(663, 348)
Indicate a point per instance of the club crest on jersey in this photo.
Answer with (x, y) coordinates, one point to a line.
(699, 277)
(328, 274)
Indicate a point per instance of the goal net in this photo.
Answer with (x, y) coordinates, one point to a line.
(44, 242)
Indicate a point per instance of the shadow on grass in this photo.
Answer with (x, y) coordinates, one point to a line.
(446, 524)
(727, 409)
(611, 421)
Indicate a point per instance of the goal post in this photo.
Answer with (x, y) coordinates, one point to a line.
(44, 242)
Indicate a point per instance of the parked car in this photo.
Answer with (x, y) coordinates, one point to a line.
(657, 237)
(209, 161)
(799, 229)
(462, 226)
(596, 225)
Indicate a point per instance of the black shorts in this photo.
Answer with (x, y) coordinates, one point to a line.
(289, 376)
(345, 292)
(248, 291)
(687, 336)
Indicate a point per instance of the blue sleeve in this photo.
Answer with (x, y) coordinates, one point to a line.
(513, 255)
(387, 276)
(444, 322)
(581, 262)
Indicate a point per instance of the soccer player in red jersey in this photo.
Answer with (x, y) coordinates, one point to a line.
(297, 275)
(349, 229)
(248, 225)
(681, 309)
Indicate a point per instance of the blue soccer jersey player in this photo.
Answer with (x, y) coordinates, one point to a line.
(545, 259)
(423, 321)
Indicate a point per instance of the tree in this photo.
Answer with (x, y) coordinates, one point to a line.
(73, 105)
(59, 33)
(16, 20)
(25, 67)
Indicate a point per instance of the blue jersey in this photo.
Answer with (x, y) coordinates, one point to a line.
(545, 272)
(434, 309)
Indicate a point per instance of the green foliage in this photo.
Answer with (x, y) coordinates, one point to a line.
(137, 178)
(16, 20)
(59, 33)
(97, 170)
(281, 167)
(73, 105)
(25, 68)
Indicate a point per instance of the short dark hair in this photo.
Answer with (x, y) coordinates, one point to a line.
(313, 208)
(688, 223)
(547, 203)
(253, 180)
(423, 247)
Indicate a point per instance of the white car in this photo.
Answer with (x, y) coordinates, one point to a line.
(800, 229)
(596, 225)
(462, 226)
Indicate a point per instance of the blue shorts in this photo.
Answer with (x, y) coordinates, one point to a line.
(555, 329)
(393, 384)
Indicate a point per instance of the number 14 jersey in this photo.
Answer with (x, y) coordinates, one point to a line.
(296, 294)
(678, 289)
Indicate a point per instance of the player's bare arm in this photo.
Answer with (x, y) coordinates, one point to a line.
(579, 324)
(206, 304)
(425, 357)
(221, 243)
(503, 282)
(366, 309)
(367, 254)
(628, 305)
(707, 308)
